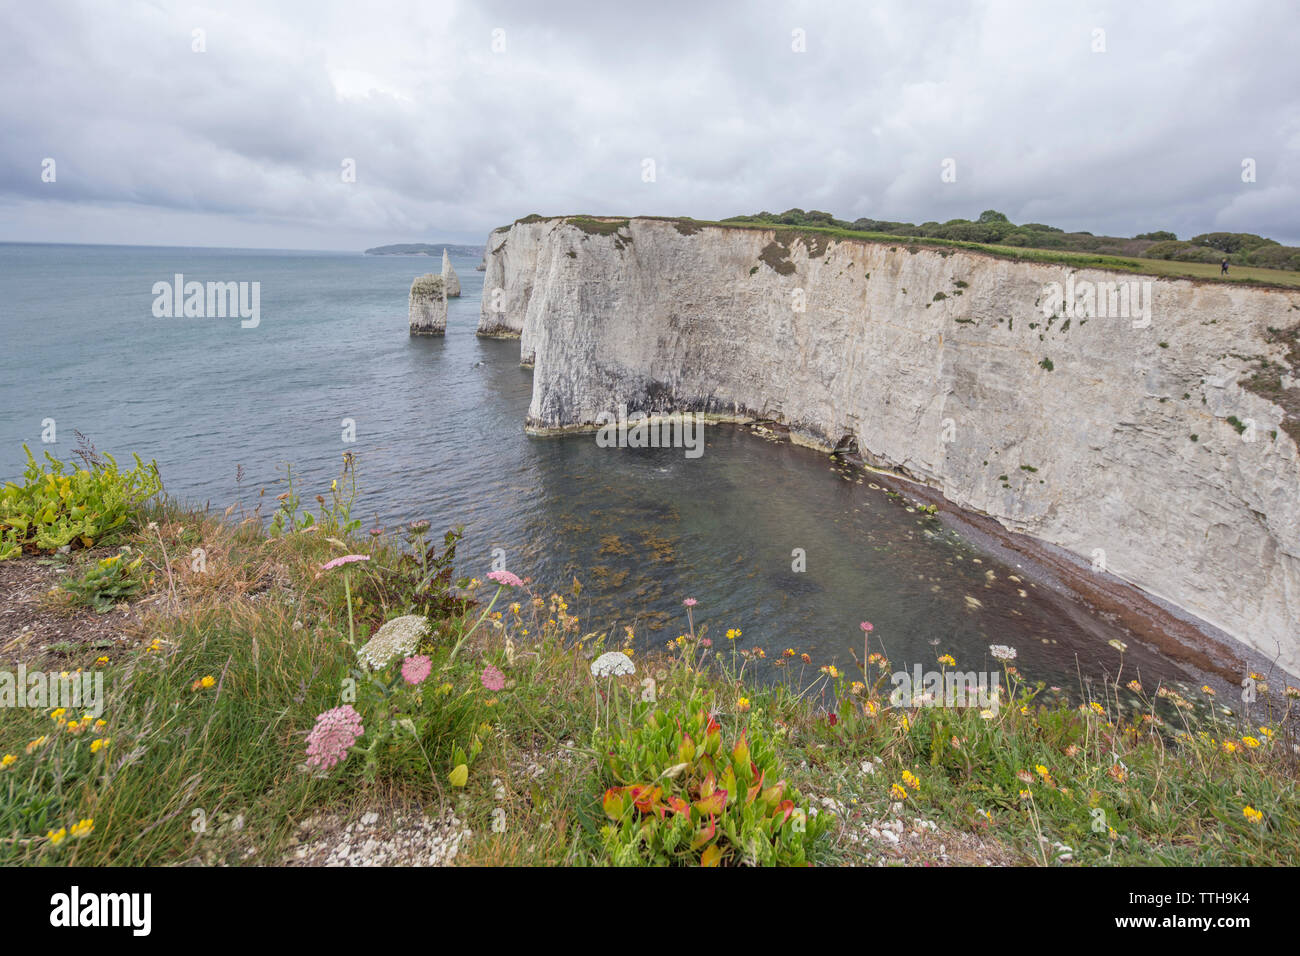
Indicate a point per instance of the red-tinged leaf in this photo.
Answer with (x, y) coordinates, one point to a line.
(678, 805)
(705, 834)
(740, 753)
(711, 856)
(613, 803)
(715, 802)
(686, 750)
(754, 791)
(784, 809)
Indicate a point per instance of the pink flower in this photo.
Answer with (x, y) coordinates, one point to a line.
(416, 669)
(866, 626)
(707, 642)
(505, 578)
(690, 602)
(492, 678)
(346, 559)
(335, 731)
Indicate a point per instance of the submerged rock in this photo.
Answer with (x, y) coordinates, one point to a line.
(428, 309)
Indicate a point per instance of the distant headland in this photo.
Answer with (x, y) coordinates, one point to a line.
(425, 249)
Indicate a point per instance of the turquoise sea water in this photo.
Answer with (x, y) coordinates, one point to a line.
(439, 435)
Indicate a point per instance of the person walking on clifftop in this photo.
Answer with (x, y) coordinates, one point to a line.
(1223, 266)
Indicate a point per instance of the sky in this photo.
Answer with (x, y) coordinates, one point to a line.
(237, 124)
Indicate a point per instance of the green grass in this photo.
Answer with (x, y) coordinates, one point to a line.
(187, 758)
(818, 235)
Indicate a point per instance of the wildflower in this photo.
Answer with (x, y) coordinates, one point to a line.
(1118, 644)
(629, 651)
(396, 638)
(1096, 708)
(38, 742)
(805, 658)
(762, 654)
(418, 527)
(506, 579)
(742, 705)
(690, 602)
(911, 780)
(1042, 771)
(346, 559)
(1117, 772)
(612, 663)
(97, 745)
(1024, 710)
(788, 652)
(1135, 687)
(733, 633)
(832, 718)
(1229, 747)
(948, 659)
(57, 836)
(1251, 742)
(1292, 692)
(82, 828)
(1026, 794)
(492, 678)
(867, 626)
(871, 708)
(857, 687)
(1267, 732)
(335, 732)
(1207, 690)
(101, 660)
(1024, 776)
(445, 689)
(6, 760)
(897, 792)
(415, 670)
(514, 608)
(831, 670)
(1072, 750)
(1251, 814)
(58, 714)
(1002, 652)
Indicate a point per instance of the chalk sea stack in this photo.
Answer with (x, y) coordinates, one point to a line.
(450, 281)
(428, 309)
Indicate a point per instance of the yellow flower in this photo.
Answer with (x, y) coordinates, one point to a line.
(911, 780)
(1251, 814)
(1207, 689)
(857, 687)
(101, 724)
(1135, 687)
(872, 708)
(831, 670)
(1266, 732)
(97, 745)
(1026, 794)
(82, 828)
(101, 660)
(949, 660)
(38, 742)
(897, 792)
(742, 704)
(58, 714)
(1097, 708)
(628, 651)
(57, 836)
(733, 633)
(788, 652)
(1229, 747)
(1250, 742)
(6, 760)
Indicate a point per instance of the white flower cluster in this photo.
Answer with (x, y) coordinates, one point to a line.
(1002, 652)
(398, 638)
(614, 663)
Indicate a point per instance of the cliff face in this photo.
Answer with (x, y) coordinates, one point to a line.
(428, 305)
(450, 281)
(1129, 441)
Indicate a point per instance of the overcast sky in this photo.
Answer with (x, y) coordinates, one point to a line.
(464, 116)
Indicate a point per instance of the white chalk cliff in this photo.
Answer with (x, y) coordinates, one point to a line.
(450, 281)
(428, 305)
(1110, 437)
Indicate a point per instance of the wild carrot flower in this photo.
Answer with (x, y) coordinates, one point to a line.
(492, 678)
(612, 664)
(1251, 814)
(346, 559)
(335, 732)
(397, 638)
(506, 579)
(415, 670)
(1002, 652)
